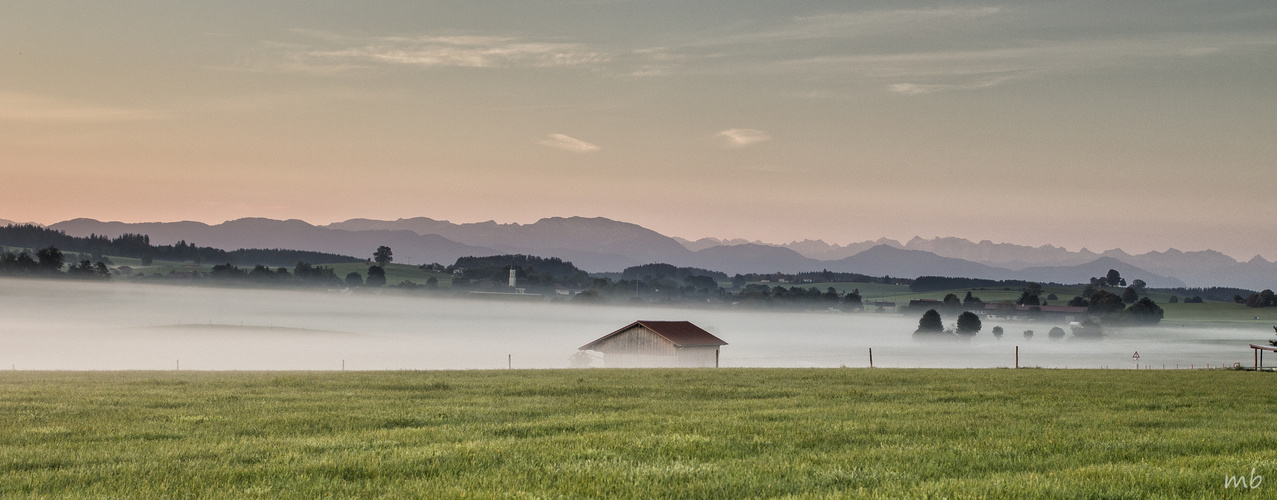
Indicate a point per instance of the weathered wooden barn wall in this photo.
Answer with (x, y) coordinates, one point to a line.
(640, 341)
(697, 357)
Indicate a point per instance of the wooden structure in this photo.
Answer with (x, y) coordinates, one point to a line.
(1259, 354)
(650, 344)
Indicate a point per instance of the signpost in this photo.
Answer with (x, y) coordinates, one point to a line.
(1136, 358)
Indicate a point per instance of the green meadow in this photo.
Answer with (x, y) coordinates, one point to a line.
(720, 433)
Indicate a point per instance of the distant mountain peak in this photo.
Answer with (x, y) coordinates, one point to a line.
(7, 222)
(603, 244)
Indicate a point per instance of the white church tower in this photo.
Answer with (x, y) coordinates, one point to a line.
(514, 280)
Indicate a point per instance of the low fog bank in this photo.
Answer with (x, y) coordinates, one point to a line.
(63, 325)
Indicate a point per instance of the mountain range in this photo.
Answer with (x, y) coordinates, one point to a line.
(603, 245)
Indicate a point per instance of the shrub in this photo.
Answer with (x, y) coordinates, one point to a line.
(1145, 312)
(930, 322)
(968, 323)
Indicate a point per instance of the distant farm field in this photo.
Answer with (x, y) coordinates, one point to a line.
(727, 433)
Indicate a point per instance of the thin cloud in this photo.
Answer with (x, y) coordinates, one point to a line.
(465, 51)
(856, 24)
(773, 169)
(916, 73)
(925, 88)
(740, 137)
(965, 49)
(568, 143)
(25, 107)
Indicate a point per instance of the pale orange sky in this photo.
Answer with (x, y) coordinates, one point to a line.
(1138, 125)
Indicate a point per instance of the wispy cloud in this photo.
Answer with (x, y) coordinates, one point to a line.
(568, 143)
(740, 137)
(26, 107)
(855, 24)
(430, 51)
(928, 88)
(922, 51)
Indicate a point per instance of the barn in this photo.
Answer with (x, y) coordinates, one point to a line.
(650, 344)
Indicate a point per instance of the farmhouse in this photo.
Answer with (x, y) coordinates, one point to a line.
(1066, 313)
(649, 344)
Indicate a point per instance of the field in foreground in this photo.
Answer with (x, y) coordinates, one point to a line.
(727, 433)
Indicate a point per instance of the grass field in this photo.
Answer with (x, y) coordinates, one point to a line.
(636, 434)
(395, 273)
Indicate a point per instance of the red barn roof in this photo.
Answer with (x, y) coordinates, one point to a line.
(681, 333)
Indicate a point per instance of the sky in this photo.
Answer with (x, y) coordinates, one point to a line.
(1143, 124)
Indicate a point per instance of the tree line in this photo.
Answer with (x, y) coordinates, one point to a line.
(48, 262)
(138, 246)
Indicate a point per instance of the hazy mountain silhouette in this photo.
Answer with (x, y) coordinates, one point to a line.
(1001, 254)
(595, 244)
(7, 222)
(601, 245)
(409, 247)
(751, 258)
(704, 243)
(1082, 273)
(1201, 269)
(884, 260)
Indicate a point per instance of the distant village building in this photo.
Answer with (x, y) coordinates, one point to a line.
(883, 306)
(1065, 313)
(650, 344)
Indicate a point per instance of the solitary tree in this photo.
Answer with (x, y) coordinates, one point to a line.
(968, 323)
(1146, 312)
(930, 322)
(354, 279)
(376, 276)
(1104, 302)
(1113, 277)
(1028, 298)
(1056, 333)
(852, 300)
(1129, 296)
(1028, 334)
(997, 332)
(50, 258)
(383, 256)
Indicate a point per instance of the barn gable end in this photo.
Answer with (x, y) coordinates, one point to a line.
(657, 344)
(635, 339)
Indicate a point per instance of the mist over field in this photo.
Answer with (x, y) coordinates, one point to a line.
(63, 325)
